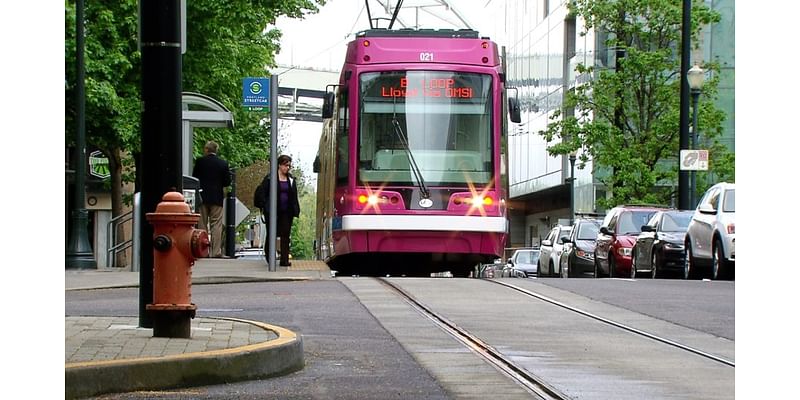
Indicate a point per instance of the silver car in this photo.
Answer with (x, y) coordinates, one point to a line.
(711, 236)
(522, 262)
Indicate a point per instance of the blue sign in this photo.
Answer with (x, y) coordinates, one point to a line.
(255, 92)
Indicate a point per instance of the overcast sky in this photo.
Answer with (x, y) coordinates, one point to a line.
(319, 41)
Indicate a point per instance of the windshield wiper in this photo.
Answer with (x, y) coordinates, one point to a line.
(414, 168)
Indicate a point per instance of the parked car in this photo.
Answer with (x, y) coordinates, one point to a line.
(711, 236)
(660, 246)
(621, 226)
(551, 248)
(523, 261)
(577, 259)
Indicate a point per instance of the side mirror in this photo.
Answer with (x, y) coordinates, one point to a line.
(513, 110)
(604, 230)
(546, 243)
(327, 105)
(563, 239)
(316, 166)
(648, 228)
(706, 208)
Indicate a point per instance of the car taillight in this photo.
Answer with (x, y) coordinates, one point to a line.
(732, 229)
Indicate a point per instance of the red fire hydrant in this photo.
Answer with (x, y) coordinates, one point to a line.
(176, 245)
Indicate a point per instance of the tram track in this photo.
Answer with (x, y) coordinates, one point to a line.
(619, 325)
(524, 378)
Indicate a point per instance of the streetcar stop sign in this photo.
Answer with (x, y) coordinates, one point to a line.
(255, 92)
(98, 165)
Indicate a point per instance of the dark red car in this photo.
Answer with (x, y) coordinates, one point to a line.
(621, 226)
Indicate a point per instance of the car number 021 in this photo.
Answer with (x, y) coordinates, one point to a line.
(426, 56)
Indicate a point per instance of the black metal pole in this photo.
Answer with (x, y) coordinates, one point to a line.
(230, 218)
(693, 184)
(79, 250)
(161, 125)
(686, 37)
(572, 189)
(273, 173)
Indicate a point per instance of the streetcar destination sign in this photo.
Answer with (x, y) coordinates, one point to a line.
(436, 87)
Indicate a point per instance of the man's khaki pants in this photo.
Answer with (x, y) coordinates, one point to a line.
(211, 214)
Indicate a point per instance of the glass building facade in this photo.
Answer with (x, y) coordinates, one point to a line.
(543, 44)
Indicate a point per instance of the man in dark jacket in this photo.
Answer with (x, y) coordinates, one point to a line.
(214, 175)
(288, 205)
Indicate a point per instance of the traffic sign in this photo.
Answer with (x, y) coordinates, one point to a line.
(255, 92)
(694, 160)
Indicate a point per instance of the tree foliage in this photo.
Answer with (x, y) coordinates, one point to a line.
(226, 41)
(626, 119)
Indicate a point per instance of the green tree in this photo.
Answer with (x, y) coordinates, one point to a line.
(303, 229)
(626, 118)
(226, 41)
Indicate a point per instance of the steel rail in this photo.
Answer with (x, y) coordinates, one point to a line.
(618, 325)
(520, 375)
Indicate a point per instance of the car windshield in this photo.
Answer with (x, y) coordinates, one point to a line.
(630, 222)
(588, 231)
(677, 222)
(729, 205)
(528, 257)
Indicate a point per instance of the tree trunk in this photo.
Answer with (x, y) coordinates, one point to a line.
(117, 205)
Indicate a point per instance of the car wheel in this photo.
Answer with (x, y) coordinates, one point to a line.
(611, 265)
(596, 267)
(654, 265)
(718, 261)
(634, 256)
(552, 269)
(688, 262)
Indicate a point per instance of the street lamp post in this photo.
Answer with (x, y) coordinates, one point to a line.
(79, 253)
(572, 188)
(695, 76)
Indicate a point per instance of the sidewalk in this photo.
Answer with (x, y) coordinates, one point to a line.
(113, 354)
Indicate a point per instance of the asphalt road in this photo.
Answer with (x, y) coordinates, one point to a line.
(348, 354)
(707, 306)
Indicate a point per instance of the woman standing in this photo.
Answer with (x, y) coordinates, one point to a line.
(288, 206)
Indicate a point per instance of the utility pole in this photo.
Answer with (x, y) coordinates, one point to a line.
(79, 250)
(686, 38)
(161, 166)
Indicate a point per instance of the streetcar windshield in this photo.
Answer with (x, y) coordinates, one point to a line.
(445, 117)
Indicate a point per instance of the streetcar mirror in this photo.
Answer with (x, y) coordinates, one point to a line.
(316, 165)
(513, 110)
(327, 105)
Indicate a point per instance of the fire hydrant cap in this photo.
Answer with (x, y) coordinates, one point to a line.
(173, 202)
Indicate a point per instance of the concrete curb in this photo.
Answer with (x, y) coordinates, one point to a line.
(271, 358)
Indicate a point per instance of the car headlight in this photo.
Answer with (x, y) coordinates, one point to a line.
(585, 255)
(673, 246)
(624, 251)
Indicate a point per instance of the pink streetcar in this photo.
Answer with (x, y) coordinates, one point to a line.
(409, 160)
